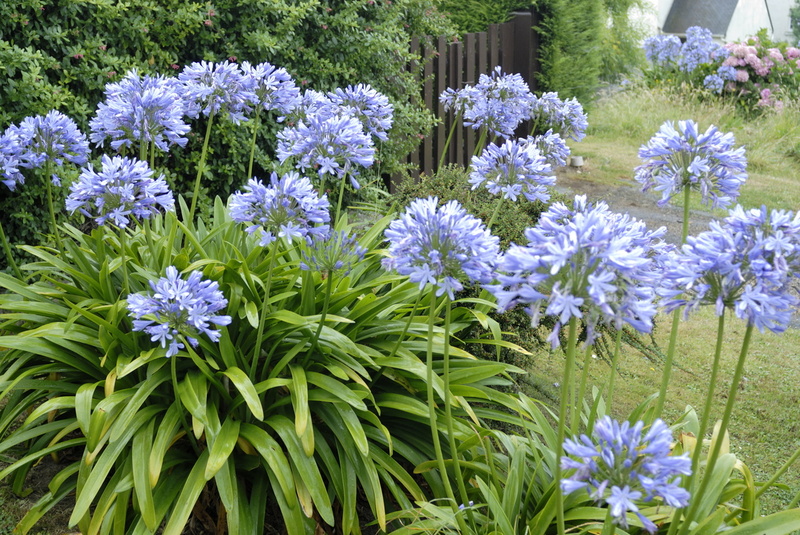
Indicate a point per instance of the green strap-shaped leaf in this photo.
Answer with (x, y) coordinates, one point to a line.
(165, 435)
(248, 391)
(192, 392)
(274, 457)
(222, 445)
(780, 523)
(306, 466)
(140, 466)
(192, 488)
(97, 474)
(299, 391)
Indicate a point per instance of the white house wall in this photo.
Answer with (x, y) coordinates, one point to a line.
(750, 16)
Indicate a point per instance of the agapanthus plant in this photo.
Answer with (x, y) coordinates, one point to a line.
(288, 207)
(332, 144)
(496, 105)
(335, 253)
(213, 88)
(274, 89)
(146, 111)
(9, 161)
(10, 175)
(48, 142)
(749, 264)
(564, 117)
(335, 145)
(272, 86)
(179, 310)
(683, 158)
(121, 189)
(512, 169)
(369, 106)
(583, 262)
(442, 246)
(552, 147)
(625, 465)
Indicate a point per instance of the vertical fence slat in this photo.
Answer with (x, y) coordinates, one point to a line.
(507, 45)
(483, 59)
(441, 84)
(456, 152)
(430, 103)
(493, 36)
(470, 77)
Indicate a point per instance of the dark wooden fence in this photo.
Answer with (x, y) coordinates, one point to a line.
(511, 45)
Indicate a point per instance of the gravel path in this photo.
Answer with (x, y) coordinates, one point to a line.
(628, 197)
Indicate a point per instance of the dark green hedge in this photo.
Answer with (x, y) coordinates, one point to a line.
(59, 54)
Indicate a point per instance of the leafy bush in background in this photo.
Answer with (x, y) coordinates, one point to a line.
(59, 54)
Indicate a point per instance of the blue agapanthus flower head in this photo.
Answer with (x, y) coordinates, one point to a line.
(335, 253)
(624, 465)
(211, 88)
(179, 309)
(288, 207)
(683, 157)
(502, 103)
(459, 100)
(53, 138)
(512, 169)
(564, 117)
(368, 106)
(141, 110)
(121, 189)
(273, 86)
(332, 145)
(9, 161)
(552, 147)
(585, 262)
(748, 263)
(662, 50)
(440, 245)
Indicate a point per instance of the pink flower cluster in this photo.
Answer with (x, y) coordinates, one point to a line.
(757, 66)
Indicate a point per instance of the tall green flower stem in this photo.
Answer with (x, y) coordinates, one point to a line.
(48, 173)
(448, 409)
(481, 141)
(673, 334)
(341, 194)
(572, 339)
(612, 376)
(495, 213)
(323, 315)
(262, 317)
(578, 404)
(123, 244)
(201, 167)
(9, 256)
(437, 446)
(256, 124)
(609, 528)
(723, 428)
(456, 121)
(778, 474)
